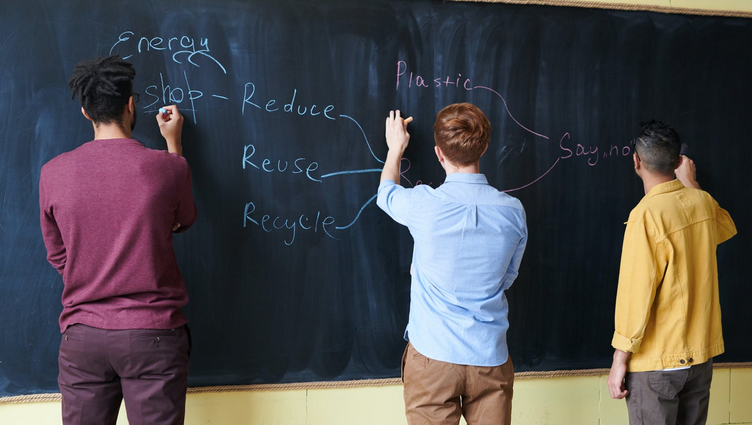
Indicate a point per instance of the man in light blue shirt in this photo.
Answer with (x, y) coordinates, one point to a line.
(469, 240)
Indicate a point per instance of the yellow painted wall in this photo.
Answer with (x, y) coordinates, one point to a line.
(556, 401)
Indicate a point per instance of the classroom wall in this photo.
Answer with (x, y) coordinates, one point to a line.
(552, 401)
(576, 401)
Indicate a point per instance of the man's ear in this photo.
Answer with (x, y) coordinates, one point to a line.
(85, 114)
(131, 105)
(637, 163)
(679, 162)
(439, 154)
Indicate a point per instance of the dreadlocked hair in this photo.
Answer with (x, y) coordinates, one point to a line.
(103, 87)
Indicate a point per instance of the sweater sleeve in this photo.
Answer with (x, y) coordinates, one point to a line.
(186, 211)
(53, 239)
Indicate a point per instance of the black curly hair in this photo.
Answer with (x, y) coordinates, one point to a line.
(658, 147)
(103, 86)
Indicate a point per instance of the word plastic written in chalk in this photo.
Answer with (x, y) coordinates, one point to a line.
(418, 81)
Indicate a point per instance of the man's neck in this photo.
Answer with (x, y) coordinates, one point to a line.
(464, 169)
(111, 131)
(651, 180)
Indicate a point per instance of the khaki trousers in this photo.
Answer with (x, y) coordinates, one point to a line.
(678, 397)
(438, 393)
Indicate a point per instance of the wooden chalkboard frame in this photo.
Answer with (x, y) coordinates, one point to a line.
(390, 381)
(624, 6)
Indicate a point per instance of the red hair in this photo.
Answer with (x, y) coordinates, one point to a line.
(462, 133)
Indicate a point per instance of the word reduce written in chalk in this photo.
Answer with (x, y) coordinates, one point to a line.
(288, 107)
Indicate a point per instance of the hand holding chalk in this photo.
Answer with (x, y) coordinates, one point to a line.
(171, 126)
(397, 136)
(165, 113)
(686, 173)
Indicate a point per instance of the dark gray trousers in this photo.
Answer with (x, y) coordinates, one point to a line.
(99, 368)
(678, 397)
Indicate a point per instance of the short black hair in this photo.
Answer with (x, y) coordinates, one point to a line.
(658, 147)
(103, 86)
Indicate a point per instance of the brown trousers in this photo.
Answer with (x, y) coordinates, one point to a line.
(439, 393)
(99, 368)
(678, 397)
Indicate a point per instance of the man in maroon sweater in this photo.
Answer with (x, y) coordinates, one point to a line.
(108, 210)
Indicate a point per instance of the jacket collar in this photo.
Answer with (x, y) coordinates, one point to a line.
(669, 186)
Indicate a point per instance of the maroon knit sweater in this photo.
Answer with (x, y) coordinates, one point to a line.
(106, 211)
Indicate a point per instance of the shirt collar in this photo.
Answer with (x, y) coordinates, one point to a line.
(666, 187)
(472, 178)
(119, 141)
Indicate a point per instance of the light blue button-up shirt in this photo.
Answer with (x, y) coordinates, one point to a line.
(469, 240)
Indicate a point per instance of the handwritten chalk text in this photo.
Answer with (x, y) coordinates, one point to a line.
(281, 166)
(165, 94)
(271, 105)
(418, 81)
(591, 153)
(269, 224)
(179, 46)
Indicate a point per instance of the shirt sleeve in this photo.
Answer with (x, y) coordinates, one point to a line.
(514, 265)
(724, 224)
(638, 282)
(395, 200)
(186, 211)
(53, 239)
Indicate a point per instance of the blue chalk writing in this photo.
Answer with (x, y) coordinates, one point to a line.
(359, 212)
(169, 95)
(299, 164)
(339, 173)
(364, 136)
(179, 46)
(290, 108)
(303, 221)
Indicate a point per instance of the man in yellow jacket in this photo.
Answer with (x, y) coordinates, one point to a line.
(668, 315)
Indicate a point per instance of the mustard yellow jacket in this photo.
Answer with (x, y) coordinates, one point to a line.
(667, 309)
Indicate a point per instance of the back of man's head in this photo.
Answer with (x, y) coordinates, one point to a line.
(658, 147)
(103, 87)
(462, 133)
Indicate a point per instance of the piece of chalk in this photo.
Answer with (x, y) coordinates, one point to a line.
(408, 120)
(162, 111)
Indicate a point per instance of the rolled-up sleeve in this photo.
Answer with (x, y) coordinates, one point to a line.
(638, 282)
(724, 224)
(395, 200)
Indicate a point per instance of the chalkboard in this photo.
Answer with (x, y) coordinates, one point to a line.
(293, 272)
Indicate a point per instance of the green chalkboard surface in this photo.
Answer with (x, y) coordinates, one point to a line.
(293, 272)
